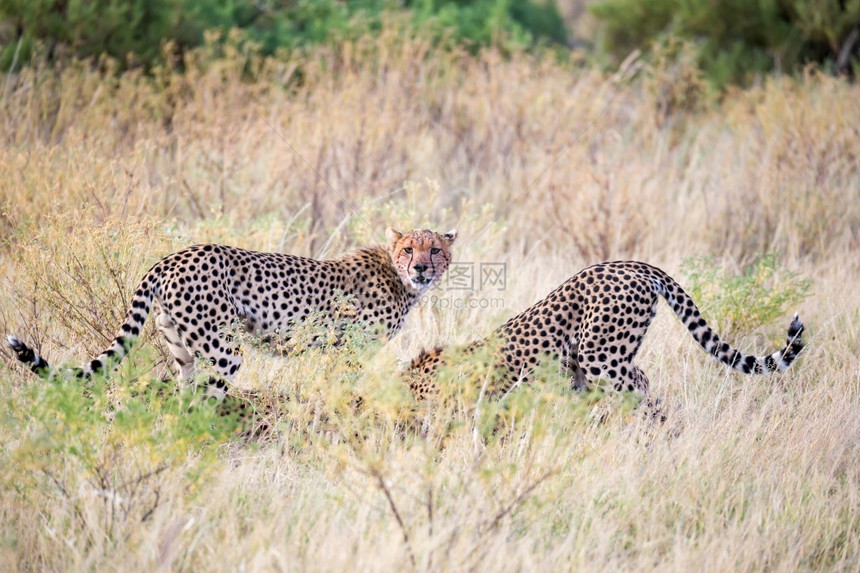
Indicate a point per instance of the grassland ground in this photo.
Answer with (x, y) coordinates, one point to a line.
(545, 167)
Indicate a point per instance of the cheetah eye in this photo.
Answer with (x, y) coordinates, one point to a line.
(407, 250)
(435, 251)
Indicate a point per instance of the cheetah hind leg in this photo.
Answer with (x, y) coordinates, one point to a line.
(631, 378)
(184, 359)
(578, 381)
(651, 408)
(181, 356)
(570, 366)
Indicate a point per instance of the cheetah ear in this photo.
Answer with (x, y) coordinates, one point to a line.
(450, 236)
(393, 236)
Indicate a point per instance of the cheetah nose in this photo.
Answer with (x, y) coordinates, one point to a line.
(420, 268)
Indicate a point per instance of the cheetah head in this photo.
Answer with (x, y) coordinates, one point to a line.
(420, 257)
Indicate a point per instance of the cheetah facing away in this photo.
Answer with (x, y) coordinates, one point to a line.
(201, 292)
(594, 323)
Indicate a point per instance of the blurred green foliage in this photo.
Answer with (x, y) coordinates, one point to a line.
(120, 28)
(736, 40)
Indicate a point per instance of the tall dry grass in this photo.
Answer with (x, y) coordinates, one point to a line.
(544, 166)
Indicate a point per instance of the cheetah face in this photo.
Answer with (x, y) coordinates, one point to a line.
(420, 257)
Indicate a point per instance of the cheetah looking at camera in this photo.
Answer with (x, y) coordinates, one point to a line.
(594, 323)
(200, 293)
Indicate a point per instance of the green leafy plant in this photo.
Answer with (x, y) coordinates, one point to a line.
(134, 31)
(763, 292)
(100, 449)
(736, 40)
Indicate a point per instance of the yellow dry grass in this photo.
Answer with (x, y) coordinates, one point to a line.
(544, 167)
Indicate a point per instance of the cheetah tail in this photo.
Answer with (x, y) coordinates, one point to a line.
(118, 349)
(28, 356)
(689, 314)
(127, 334)
(777, 361)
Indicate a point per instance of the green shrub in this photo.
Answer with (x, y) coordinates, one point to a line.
(114, 27)
(119, 28)
(94, 456)
(494, 22)
(736, 40)
(763, 292)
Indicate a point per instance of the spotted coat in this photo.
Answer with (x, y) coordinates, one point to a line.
(200, 293)
(594, 324)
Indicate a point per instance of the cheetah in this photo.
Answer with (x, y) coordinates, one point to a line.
(200, 293)
(594, 323)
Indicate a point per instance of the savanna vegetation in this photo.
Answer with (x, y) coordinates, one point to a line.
(749, 197)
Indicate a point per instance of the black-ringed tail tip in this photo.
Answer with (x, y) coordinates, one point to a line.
(26, 355)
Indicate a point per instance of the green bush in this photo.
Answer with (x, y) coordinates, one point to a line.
(740, 303)
(97, 453)
(736, 40)
(492, 22)
(118, 28)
